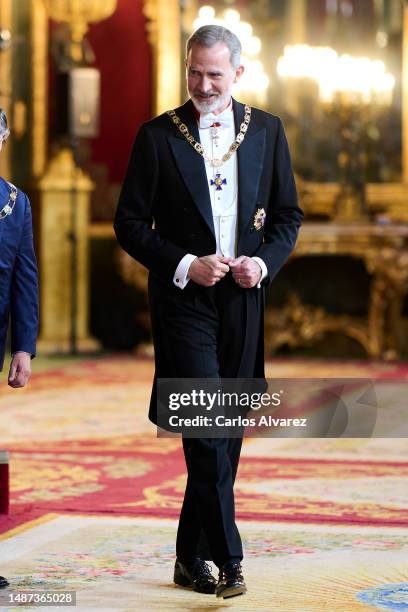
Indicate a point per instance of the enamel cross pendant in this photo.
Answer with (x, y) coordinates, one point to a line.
(218, 182)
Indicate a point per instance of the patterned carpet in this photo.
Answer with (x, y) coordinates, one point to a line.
(126, 564)
(150, 483)
(324, 520)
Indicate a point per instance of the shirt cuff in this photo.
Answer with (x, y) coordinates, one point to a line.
(264, 269)
(180, 276)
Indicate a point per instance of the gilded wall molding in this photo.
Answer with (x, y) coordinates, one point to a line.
(5, 81)
(404, 101)
(39, 70)
(319, 198)
(163, 28)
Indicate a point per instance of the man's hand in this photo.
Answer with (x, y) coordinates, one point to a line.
(245, 271)
(208, 270)
(20, 369)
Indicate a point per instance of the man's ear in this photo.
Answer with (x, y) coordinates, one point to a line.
(238, 73)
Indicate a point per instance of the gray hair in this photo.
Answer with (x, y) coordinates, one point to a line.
(4, 130)
(210, 35)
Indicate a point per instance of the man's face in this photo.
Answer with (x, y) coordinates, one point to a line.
(210, 77)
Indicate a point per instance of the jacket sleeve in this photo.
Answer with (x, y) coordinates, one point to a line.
(24, 291)
(284, 215)
(134, 219)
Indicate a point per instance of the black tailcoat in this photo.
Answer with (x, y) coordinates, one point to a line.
(164, 212)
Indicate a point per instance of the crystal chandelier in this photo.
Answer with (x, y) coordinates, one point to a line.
(357, 79)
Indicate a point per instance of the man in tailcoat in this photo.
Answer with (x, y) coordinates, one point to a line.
(18, 281)
(209, 206)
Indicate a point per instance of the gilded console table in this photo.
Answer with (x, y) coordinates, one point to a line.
(384, 251)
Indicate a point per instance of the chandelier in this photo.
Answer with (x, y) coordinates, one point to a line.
(357, 79)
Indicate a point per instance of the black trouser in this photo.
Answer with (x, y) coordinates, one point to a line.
(208, 506)
(207, 338)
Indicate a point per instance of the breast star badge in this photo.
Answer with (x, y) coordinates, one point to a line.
(259, 219)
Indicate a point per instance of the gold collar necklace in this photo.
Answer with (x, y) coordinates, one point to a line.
(215, 162)
(8, 208)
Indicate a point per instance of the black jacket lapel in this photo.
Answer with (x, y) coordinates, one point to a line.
(250, 163)
(191, 164)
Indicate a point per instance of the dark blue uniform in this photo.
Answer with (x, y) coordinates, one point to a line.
(18, 274)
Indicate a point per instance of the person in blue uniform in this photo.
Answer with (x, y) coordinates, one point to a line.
(18, 281)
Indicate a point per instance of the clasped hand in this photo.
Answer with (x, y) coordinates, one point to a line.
(210, 269)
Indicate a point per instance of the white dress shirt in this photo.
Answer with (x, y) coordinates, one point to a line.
(224, 200)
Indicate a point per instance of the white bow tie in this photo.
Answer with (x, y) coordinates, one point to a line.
(225, 119)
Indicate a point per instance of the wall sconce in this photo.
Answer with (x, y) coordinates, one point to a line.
(5, 39)
(78, 14)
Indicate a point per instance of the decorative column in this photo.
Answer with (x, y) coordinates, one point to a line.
(39, 96)
(64, 201)
(404, 82)
(164, 29)
(6, 81)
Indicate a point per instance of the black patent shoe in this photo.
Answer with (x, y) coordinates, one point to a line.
(3, 583)
(196, 576)
(231, 581)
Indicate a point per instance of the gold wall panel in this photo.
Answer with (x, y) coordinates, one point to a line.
(5, 83)
(404, 81)
(164, 35)
(39, 69)
(64, 201)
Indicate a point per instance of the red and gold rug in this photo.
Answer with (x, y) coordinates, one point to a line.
(80, 442)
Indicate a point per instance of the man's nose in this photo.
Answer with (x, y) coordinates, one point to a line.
(205, 84)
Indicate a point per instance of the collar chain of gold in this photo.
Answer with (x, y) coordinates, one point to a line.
(8, 208)
(215, 162)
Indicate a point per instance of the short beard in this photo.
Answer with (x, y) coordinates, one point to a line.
(204, 108)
